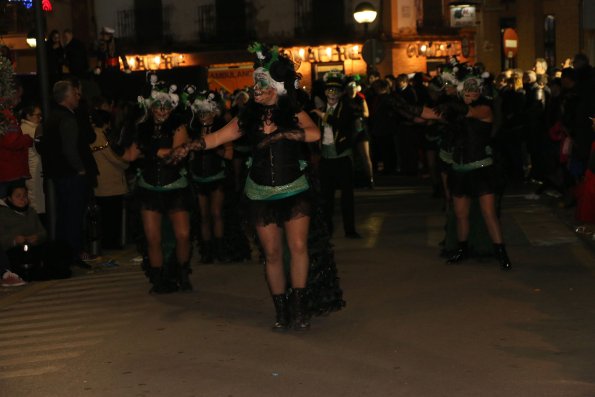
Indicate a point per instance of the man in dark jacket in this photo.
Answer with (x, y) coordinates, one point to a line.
(69, 165)
(337, 124)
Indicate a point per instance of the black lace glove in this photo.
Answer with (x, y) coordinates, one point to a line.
(182, 151)
(275, 136)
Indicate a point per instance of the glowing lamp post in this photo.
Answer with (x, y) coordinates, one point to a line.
(365, 13)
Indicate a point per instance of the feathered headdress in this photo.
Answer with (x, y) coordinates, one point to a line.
(265, 55)
(205, 101)
(281, 69)
(161, 95)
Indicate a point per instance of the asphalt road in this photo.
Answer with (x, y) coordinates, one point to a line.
(413, 326)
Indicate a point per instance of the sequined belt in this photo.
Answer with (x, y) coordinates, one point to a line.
(180, 183)
(473, 165)
(255, 191)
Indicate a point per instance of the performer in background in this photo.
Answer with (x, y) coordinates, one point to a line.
(207, 169)
(472, 173)
(162, 188)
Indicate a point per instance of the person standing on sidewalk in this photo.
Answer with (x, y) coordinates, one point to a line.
(65, 163)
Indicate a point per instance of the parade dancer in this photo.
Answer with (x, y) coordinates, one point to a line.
(472, 173)
(207, 169)
(162, 188)
(277, 188)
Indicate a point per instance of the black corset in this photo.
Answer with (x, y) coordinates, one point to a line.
(205, 164)
(277, 164)
(151, 138)
(472, 140)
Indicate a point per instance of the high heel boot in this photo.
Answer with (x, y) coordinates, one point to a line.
(502, 256)
(184, 272)
(282, 312)
(297, 302)
(161, 285)
(460, 254)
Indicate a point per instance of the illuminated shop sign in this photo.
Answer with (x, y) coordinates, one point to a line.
(462, 15)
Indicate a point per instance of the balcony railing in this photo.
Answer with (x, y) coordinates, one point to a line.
(126, 24)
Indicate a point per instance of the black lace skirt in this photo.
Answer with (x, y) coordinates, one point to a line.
(266, 212)
(164, 202)
(473, 183)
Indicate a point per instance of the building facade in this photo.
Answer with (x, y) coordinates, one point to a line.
(410, 35)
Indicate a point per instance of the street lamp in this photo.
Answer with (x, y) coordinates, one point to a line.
(365, 13)
(31, 39)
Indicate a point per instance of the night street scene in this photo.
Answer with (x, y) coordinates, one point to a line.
(254, 198)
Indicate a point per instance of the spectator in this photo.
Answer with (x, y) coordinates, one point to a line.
(65, 149)
(8, 278)
(55, 56)
(30, 120)
(25, 240)
(383, 124)
(75, 53)
(14, 145)
(407, 134)
(111, 181)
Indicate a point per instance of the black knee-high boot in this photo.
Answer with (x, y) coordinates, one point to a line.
(502, 256)
(184, 272)
(299, 314)
(282, 312)
(161, 285)
(460, 254)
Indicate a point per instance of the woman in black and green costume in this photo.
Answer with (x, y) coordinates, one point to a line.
(472, 173)
(277, 188)
(207, 169)
(162, 187)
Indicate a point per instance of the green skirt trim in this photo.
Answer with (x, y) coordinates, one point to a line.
(465, 167)
(180, 183)
(207, 179)
(255, 191)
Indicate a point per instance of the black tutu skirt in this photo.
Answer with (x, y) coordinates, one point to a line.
(266, 212)
(166, 201)
(473, 183)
